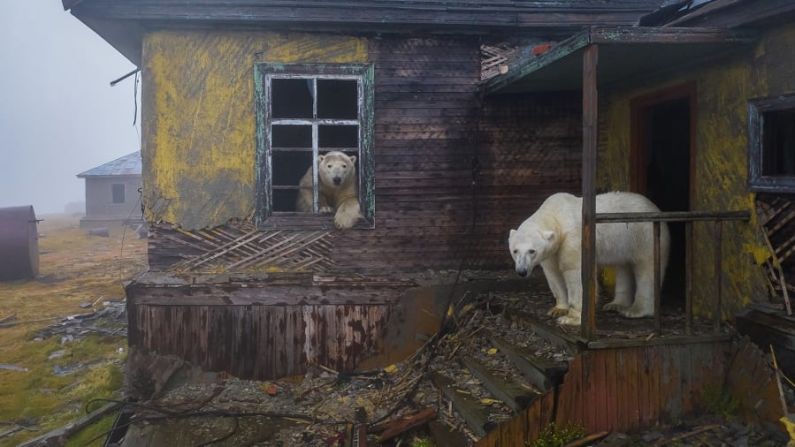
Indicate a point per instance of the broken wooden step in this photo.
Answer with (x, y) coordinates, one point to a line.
(556, 337)
(542, 374)
(474, 414)
(514, 395)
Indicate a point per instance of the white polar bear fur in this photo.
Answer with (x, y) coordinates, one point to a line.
(341, 198)
(552, 238)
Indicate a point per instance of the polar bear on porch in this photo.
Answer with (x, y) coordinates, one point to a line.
(338, 189)
(552, 238)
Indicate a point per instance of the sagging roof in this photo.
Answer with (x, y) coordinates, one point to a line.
(720, 13)
(122, 23)
(129, 164)
(625, 53)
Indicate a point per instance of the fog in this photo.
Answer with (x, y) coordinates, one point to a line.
(58, 114)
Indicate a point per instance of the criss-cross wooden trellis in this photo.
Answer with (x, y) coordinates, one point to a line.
(241, 246)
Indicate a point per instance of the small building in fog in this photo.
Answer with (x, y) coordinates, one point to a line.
(112, 192)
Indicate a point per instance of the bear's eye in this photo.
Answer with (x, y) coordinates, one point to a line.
(531, 251)
(515, 251)
(329, 166)
(344, 166)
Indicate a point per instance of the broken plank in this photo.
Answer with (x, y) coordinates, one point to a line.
(60, 435)
(445, 436)
(402, 425)
(473, 413)
(541, 373)
(512, 394)
(557, 337)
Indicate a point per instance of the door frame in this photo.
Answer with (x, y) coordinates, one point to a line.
(639, 131)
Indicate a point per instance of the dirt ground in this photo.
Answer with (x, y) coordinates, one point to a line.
(47, 376)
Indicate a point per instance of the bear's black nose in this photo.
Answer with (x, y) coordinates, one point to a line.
(521, 273)
(337, 180)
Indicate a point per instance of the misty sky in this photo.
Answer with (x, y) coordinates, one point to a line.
(58, 114)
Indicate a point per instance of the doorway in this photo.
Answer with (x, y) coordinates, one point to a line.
(663, 137)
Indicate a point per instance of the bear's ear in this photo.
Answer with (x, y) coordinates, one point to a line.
(548, 235)
(353, 158)
(320, 158)
(511, 233)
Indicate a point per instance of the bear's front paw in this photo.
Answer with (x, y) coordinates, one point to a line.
(326, 210)
(558, 311)
(569, 320)
(343, 221)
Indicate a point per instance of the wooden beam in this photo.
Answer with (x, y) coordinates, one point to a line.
(589, 146)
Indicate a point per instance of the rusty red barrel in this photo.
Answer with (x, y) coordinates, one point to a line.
(19, 243)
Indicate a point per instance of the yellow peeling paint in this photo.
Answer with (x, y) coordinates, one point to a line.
(199, 117)
(720, 182)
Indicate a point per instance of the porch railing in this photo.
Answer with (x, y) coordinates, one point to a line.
(688, 217)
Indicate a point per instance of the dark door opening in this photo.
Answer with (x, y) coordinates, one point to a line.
(662, 165)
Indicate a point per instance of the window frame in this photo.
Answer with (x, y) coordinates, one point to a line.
(264, 73)
(757, 181)
(122, 188)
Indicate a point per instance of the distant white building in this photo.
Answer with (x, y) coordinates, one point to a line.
(113, 192)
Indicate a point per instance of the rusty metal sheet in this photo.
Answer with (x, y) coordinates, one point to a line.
(19, 243)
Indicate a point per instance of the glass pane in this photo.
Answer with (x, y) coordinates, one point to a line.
(284, 200)
(291, 98)
(290, 167)
(291, 136)
(337, 99)
(338, 136)
(778, 150)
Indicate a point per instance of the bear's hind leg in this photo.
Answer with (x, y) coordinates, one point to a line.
(643, 306)
(624, 289)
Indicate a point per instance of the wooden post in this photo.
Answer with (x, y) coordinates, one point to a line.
(589, 142)
(657, 280)
(689, 278)
(718, 273)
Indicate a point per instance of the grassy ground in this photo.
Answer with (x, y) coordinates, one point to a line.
(74, 269)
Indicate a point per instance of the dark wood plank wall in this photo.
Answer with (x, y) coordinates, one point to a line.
(261, 342)
(429, 126)
(623, 389)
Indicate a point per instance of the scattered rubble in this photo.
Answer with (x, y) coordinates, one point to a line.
(109, 320)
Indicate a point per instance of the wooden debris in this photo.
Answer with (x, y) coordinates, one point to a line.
(60, 435)
(444, 436)
(401, 425)
(9, 367)
(8, 318)
(512, 394)
(470, 410)
(689, 434)
(541, 373)
(595, 437)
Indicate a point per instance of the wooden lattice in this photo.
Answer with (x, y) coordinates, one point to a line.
(777, 217)
(494, 59)
(241, 246)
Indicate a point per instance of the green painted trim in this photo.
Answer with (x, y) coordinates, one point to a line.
(529, 64)
(366, 72)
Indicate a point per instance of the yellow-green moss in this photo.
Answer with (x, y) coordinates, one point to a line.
(199, 124)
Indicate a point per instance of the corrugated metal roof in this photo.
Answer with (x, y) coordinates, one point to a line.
(129, 164)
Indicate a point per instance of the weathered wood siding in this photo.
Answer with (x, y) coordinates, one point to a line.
(720, 174)
(621, 389)
(429, 127)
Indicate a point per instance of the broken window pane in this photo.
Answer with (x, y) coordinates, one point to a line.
(778, 149)
(291, 136)
(284, 199)
(337, 99)
(338, 136)
(292, 98)
(289, 167)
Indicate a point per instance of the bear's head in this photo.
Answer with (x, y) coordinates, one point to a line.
(530, 247)
(336, 169)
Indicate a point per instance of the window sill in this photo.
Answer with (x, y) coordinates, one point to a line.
(785, 185)
(308, 222)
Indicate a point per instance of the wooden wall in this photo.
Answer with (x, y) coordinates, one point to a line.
(429, 127)
(621, 389)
